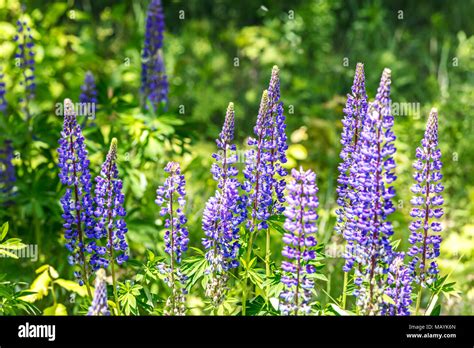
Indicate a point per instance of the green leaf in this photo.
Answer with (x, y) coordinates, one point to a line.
(3, 231)
(388, 299)
(432, 305)
(72, 286)
(58, 309)
(338, 310)
(8, 254)
(13, 244)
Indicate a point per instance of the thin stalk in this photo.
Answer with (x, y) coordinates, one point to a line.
(344, 290)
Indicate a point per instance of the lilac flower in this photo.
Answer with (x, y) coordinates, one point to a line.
(371, 176)
(99, 304)
(7, 174)
(355, 114)
(110, 214)
(223, 214)
(88, 95)
(77, 201)
(154, 80)
(26, 62)
(398, 288)
(300, 240)
(265, 158)
(427, 202)
(171, 198)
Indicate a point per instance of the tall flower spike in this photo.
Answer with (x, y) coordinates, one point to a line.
(427, 202)
(279, 139)
(77, 201)
(25, 58)
(300, 240)
(110, 214)
(154, 80)
(99, 304)
(88, 94)
(398, 288)
(372, 175)
(223, 214)
(171, 198)
(257, 172)
(355, 114)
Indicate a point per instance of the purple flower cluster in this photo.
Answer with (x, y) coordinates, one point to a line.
(7, 173)
(371, 176)
(3, 101)
(398, 288)
(171, 198)
(88, 89)
(223, 214)
(154, 80)
(427, 202)
(300, 240)
(25, 60)
(110, 214)
(355, 115)
(99, 304)
(264, 159)
(77, 201)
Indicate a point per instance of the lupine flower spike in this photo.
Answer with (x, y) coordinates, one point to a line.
(110, 214)
(88, 97)
(99, 304)
(299, 240)
(171, 198)
(154, 87)
(77, 201)
(372, 176)
(427, 202)
(398, 288)
(25, 58)
(355, 114)
(223, 214)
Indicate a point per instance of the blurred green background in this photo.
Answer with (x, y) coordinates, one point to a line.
(221, 51)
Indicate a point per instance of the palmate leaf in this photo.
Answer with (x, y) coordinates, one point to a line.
(194, 268)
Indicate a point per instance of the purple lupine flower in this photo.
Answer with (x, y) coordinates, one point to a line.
(275, 108)
(110, 214)
(265, 158)
(88, 97)
(371, 176)
(3, 101)
(154, 87)
(77, 201)
(7, 174)
(223, 214)
(398, 288)
(25, 60)
(427, 202)
(300, 240)
(99, 304)
(171, 197)
(355, 114)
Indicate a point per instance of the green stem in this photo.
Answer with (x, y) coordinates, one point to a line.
(418, 300)
(114, 283)
(344, 290)
(267, 255)
(247, 262)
